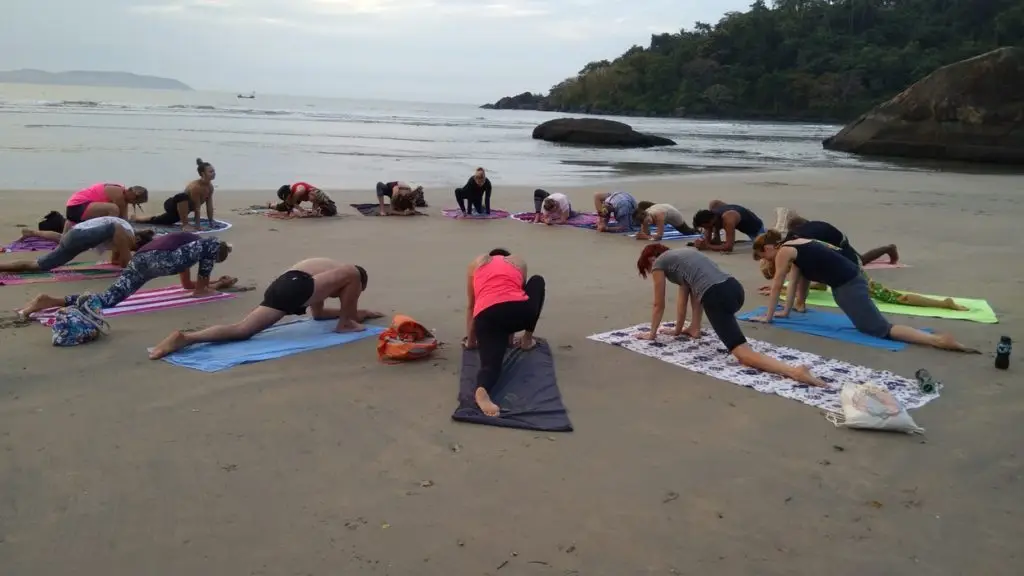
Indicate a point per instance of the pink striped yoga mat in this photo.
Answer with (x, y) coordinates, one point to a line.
(145, 301)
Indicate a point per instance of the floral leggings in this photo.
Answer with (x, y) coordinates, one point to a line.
(145, 266)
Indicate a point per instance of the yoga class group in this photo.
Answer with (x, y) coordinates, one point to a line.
(799, 257)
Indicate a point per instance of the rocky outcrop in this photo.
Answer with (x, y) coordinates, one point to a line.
(596, 132)
(524, 101)
(972, 111)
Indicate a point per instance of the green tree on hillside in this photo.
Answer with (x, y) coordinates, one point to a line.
(798, 59)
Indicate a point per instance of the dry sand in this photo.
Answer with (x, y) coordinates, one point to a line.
(111, 464)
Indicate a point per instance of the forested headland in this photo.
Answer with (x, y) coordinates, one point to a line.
(828, 60)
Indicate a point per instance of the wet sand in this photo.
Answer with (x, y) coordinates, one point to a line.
(331, 463)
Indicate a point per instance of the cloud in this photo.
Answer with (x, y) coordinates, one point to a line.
(450, 50)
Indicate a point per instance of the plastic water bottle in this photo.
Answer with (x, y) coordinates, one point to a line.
(1003, 353)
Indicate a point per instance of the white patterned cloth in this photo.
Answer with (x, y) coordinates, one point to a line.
(709, 357)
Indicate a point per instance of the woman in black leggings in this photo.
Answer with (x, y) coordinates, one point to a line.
(714, 294)
(500, 304)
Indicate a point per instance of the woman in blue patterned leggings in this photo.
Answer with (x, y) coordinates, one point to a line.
(169, 254)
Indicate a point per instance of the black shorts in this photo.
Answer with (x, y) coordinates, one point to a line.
(75, 214)
(289, 292)
(721, 302)
(171, 204)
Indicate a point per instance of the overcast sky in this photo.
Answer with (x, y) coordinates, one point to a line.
(427, 50)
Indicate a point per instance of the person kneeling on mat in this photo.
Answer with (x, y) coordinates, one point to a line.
(658, 215)
(165, 255)
(500, 303)
(178, 207)
(292, 196)
(551, 208)
(308, 284)
(713, 292)
(400, 191)
(729, 217)
(106, 233)
(806, 261)
(621, 205)
(475, 194)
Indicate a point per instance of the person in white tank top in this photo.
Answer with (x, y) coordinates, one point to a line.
(659, 215)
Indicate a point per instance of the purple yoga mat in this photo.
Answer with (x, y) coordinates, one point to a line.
(31, 244)
(579, 220)
(457, 214)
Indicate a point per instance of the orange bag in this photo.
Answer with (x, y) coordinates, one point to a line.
(405, 340)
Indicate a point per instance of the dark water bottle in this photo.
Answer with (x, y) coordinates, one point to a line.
(1003, 353)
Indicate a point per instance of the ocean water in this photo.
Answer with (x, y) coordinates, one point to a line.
(57, 137)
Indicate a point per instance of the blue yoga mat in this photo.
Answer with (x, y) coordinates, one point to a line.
(526, 392)
(827, 325)
(276, 342)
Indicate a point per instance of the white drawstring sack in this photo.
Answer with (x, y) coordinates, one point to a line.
(869, 406)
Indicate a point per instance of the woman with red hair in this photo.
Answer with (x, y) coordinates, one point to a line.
(712, 292)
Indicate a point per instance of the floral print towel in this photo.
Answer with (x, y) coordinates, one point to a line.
(707, 356)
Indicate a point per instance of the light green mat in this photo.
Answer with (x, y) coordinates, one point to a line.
(978, 310)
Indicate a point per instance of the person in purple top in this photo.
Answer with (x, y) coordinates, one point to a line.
(165, 255)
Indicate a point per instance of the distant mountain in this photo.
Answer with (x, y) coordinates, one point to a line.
(91, 78)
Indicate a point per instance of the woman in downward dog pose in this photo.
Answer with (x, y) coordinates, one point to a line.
(806, 261)
(500, 303)
(178, 207)
(166, 255)
(658, 215)
(710, 291)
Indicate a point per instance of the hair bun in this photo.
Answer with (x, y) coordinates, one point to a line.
(199, 161)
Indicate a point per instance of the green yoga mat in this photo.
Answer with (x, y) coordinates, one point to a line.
(978, 310)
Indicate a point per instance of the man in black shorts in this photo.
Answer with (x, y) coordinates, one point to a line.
(308, 284)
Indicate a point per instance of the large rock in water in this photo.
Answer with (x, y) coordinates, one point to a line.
(972, 110)
(596, 132)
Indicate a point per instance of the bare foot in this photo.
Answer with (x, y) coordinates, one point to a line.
(40, 302)
(527, 343)
(951, 305)
(225, 282)
(894, 254)
(947, 342)
(483, 400)
(176, 341)
(803, 375)
(350, 326)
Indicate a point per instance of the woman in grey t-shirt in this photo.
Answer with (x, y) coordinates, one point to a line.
(714, 293)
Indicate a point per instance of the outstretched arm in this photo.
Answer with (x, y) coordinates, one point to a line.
(470, 303)
(122, 247)
(209, 208)
(658, 309)
(783, 262)
(186, 280)
(661, 228)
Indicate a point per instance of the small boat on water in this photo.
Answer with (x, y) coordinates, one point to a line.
(249, 96)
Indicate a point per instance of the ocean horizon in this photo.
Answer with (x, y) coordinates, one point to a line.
(67, 137)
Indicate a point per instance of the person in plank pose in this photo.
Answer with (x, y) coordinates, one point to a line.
(658, 215)
(178, 207)
(551, 207)
(292, 196)
(165, 255)
(500, 302)
(475, 194)
(806, 261)
(791, 225)
(106, 233)
(404, 198)
(102, 200)
(307, 284)
(705, 289)
(729, 217)
(621, 205)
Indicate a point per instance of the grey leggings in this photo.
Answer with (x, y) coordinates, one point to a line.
(854, 299)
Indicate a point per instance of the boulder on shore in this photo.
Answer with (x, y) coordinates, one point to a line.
(971, 111)
(596, 132)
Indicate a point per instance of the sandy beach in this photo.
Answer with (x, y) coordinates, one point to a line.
(329, 462)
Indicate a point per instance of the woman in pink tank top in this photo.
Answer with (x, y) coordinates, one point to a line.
(500, 304)
(102, 200)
